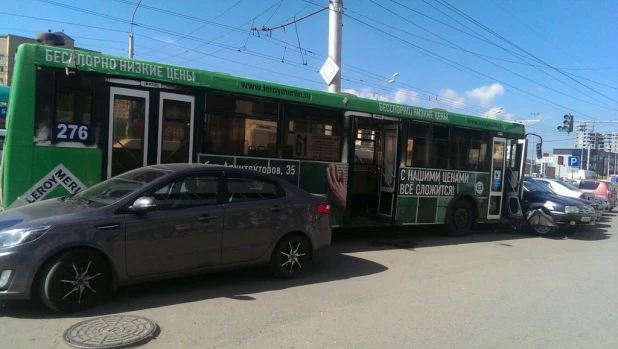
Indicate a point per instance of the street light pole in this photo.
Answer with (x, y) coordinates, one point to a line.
(384, 82)
(335, 15)
(131, 32)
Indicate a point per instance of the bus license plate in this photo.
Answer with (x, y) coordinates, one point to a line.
(585, 219)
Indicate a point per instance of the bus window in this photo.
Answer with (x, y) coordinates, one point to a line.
(469, 150)
(66, 106)
(424, 143)
(312, 133)
(240, 126)
(365, 147)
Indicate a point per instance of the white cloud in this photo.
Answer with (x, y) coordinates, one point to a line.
(450, 97)
(402, 95)
(486, 94)
(165, 39)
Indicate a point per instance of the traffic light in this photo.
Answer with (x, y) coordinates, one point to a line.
(567, 124)
(560, 160)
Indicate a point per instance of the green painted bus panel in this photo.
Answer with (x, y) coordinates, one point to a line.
(18, 167)
(406, 209)
(83, 164)
(131, 68)
(424, 194)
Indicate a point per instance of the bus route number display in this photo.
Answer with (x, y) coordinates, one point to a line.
(316, 147)
(72, 132)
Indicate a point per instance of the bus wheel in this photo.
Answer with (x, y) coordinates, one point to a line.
(74, 281)
(460, 218)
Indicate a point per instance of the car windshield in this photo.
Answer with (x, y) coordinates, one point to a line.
(532, 186)
(114, 189)
(568, 185)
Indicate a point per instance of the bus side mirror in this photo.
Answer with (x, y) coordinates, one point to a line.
(539, 151)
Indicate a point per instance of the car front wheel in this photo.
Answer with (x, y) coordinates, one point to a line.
(545, 231)
(290, 257)
(74, 281)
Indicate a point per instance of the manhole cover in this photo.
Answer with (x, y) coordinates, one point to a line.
(111, 332)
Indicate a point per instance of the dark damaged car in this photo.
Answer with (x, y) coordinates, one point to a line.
(567, 213)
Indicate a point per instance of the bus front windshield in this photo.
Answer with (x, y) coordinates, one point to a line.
(116, 188)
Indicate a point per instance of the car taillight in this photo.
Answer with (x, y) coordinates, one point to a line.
(323, 208)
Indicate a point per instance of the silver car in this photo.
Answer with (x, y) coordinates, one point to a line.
(157, 222)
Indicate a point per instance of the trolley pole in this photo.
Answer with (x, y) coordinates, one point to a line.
(335, 14)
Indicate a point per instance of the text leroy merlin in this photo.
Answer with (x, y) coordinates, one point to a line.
(118, 64)
(60, 177)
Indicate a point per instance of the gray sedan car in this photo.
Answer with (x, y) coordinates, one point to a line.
(157, 222)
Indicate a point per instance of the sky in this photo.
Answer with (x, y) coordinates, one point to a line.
(514, 60)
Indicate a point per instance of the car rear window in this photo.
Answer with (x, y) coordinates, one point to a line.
(588, 185)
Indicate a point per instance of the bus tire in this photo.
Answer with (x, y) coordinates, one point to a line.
(460, 218)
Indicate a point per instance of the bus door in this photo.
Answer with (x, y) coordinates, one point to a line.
(176, 120)
(388, 161)
(514, 171)
(497, 176)
(128, 130)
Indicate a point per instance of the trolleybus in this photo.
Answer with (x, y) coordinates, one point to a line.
(77, 118)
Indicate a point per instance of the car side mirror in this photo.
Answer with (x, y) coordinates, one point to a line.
(144, 204)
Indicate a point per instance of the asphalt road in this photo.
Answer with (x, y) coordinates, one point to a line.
(415, 289)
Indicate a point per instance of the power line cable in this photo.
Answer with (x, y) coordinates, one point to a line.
(202, 26)
(459, 66)
(487, 60)
(481, 25)
(549, 41)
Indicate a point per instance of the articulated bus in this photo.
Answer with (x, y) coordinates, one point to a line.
(77, 118)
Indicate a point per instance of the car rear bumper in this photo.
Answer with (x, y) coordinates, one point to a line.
(322, 253)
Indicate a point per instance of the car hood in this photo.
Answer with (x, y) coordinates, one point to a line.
(41, 212)
(559, 199)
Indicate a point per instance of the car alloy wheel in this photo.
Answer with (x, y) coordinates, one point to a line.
(74, 281)
(290, 257)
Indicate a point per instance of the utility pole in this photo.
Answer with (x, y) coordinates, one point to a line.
(131, 32)
(335, 14)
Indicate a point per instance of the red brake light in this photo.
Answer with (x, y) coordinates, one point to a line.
(323, 208)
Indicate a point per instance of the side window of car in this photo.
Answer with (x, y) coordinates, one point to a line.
(241, 188)
(199, 190)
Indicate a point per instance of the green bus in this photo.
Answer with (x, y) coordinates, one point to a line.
(77, 118)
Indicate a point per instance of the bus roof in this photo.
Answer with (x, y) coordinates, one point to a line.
(4, 93)
(119, 67)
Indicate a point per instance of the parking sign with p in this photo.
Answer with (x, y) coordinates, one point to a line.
(573, 161)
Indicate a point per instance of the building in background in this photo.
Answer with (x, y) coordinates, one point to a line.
(601, 162)
(8, 47)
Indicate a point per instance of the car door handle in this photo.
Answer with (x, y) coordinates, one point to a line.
(207, 218)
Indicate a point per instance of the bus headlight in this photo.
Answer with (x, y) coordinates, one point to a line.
(14, 237)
